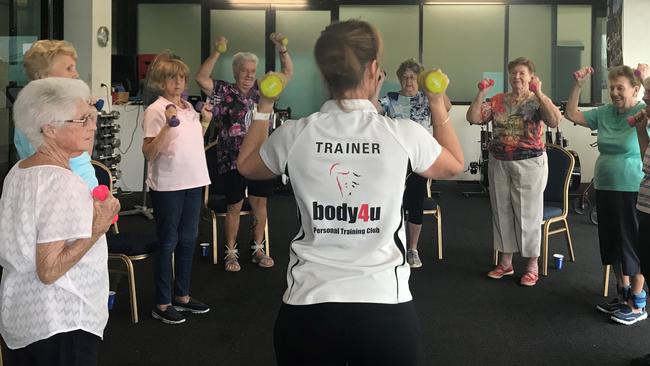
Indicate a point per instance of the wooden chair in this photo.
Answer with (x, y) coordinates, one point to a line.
(431, 207)
(127, 248)
(215, 202)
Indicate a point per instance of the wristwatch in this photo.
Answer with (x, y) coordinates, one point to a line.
(259, 116)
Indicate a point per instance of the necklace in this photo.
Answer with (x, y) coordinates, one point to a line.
(516, 100)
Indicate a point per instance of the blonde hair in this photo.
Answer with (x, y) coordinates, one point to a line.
(38, 59)
(164, 67)
(625, 71)
(343, 51)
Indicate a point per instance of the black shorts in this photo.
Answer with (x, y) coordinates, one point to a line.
(74, 348)
(618, 227)
(643, 242)
(235, 187)
(333, 334)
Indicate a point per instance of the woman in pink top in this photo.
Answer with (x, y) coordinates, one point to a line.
(176, 172)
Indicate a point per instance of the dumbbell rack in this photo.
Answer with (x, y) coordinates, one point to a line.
(106, 142)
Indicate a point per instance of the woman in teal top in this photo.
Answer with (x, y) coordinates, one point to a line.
(54, 58)
(617, 177)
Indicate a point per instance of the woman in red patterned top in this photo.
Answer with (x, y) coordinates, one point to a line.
(518, 167)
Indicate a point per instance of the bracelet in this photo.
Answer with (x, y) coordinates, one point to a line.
(442, 124)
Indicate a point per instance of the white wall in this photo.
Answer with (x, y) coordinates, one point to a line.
(82, 18)
(635, 32)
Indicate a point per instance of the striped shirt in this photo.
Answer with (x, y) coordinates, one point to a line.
(643, 202)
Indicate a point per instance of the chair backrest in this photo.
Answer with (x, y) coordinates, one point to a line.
(216, 179)
(560, 167)
(104, 176)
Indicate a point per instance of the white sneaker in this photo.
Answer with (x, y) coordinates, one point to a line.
(413, 259)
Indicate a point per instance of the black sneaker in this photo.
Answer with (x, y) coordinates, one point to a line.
(169, 316)
(193, 306)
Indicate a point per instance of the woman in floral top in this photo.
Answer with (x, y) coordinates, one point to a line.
(518, 167)
(413, 104)
(233, 108)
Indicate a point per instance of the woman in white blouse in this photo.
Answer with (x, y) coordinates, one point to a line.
(53, 251)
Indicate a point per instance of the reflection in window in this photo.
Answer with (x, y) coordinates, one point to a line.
(469, 51)
(306, 92)
(573, 49)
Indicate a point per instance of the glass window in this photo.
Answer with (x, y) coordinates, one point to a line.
(573, 49)
(469, 51)
(245, 30)
(176, 27)
(306, 92)
(398, 25)
(530, 36)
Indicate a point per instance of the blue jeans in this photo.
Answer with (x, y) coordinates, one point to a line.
(177, 225)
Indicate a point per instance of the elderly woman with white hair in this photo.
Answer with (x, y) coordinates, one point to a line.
(54, 288)
(233, 107)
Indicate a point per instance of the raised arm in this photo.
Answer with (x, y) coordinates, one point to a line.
(285, 59)
(451, 161)
(151, 146)
(572, 113)
(54, 259)
(249, 161)
(551, 114)
(473, 115)
(642, 135)
(203, 75)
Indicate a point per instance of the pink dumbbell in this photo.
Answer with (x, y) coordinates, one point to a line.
(533, 87)
(589, 70)
(636, 118)
(485, 83)
(101, 193)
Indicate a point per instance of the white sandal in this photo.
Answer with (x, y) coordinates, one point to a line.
(231, 258)
(261, 260)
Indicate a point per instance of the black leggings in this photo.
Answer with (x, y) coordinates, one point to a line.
(354, 334)
(416, 187)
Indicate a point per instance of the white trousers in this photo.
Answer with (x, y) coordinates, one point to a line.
(517, 198)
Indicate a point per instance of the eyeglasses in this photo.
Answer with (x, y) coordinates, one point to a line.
(83, 121)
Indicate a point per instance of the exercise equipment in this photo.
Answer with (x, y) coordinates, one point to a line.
(170, 113)
(101, 193)
(485, 83)
(435, 81)
(272, 85)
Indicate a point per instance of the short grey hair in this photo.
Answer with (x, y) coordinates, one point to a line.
(47, 101)
(240, 57)
(410, 64)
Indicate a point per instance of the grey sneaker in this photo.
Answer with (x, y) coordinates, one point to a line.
(413, 259)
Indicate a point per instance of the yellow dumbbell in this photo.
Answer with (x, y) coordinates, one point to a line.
(284, 40)
(222, 47)
(272, 84)
(435, 81)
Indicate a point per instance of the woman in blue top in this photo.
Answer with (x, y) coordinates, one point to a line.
(411, 103)
(617, 177)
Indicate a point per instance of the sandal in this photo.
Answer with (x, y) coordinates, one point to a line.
(529, 279)
(232, 264)
(262, 260)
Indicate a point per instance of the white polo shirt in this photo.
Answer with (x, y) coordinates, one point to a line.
(348, 168)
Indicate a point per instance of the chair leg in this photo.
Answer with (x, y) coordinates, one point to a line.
(606, 280)
(438, 217)
(545, 230)
(568, 239)
(215, 256)
(266, 235)
(496, 257)
(132, 293)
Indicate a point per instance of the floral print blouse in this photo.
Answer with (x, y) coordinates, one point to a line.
(517, 128)
(231, 118)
